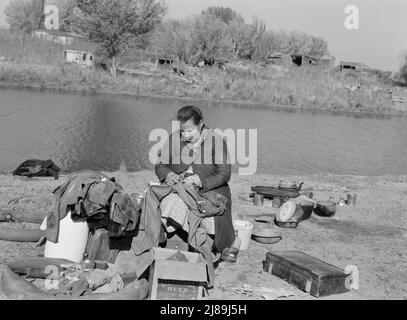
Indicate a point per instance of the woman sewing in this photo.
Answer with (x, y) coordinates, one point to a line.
(196, 156)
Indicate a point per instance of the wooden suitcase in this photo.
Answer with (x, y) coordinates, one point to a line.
(307, 273)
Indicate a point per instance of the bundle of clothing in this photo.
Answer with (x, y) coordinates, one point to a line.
(76, 281)
(93, 197)
(37, 168)
(69, 282)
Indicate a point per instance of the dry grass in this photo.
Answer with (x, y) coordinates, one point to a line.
(303, 88)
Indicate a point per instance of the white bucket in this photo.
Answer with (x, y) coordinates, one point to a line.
(244, 232)
(72, 240)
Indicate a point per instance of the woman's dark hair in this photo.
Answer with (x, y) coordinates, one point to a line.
(190, 112)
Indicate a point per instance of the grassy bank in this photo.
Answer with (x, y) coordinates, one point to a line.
(299, 89)
(370, 235)
(35, 63)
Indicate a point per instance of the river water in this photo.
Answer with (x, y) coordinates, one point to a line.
(105, 132)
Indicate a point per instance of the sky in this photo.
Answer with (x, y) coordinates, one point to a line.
(379, 42)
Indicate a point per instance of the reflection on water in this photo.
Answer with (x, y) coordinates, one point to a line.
(103, 132)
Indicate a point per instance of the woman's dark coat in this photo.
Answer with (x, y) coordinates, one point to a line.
(214, 175)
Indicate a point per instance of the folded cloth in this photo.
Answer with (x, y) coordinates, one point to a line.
(174, 213)
(68, 195)
(96, 198)
(113, 285)
(174, 209)
(127, 262)
(37, 168)
(148, 231)
(88, 195)
(75, 288)
(98, 278)
(124, 216)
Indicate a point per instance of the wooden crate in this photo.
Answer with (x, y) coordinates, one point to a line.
(307, 273)
(177, 280)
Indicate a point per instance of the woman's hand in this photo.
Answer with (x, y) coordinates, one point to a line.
(194, 179)
(172, 178)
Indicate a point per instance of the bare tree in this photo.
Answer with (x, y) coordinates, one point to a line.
(210, 39)
(220, 33)
(116, 25)
(227, 15)
(318, 48)
(240, 34)
(174, 38)
(25, 15)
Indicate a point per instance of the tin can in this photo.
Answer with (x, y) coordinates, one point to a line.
(137, 198)
(276, 202)
(258, 200)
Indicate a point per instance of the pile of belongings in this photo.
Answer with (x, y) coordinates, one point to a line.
(37, 168)
(93, 197)
(75, 281)
(58, 279)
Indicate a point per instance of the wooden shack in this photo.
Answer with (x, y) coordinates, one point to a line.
(326, 61)
(357, 66)
(80, 57)
(63, 38)
(302, 60)
(279, 59)
(165, 61)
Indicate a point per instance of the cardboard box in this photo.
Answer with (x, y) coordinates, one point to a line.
(177, 280)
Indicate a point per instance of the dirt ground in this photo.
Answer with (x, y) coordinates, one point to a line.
(371, 235)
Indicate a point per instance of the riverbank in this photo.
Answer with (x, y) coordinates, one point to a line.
(370, 235)
(269, 87)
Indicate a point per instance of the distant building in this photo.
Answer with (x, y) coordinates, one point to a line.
(165, 61)
(59, 37)
(326, 61)
(303, 60)
(280, 59)
(79, 57)
(344, 65)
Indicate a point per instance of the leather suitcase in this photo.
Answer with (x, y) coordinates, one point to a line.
(307, 273)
